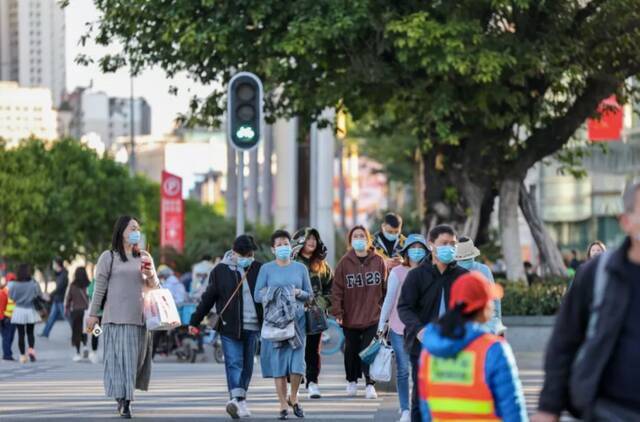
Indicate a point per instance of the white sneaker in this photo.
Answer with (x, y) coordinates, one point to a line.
(243, 409)
(233, 409)
(406, 416)
(314, 391)
(77, 357)
(352, 389)
(371, 392)
(93, 357)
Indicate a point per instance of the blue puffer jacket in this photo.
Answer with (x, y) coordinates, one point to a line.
(500, 371)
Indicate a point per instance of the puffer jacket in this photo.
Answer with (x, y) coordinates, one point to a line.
(501, 373)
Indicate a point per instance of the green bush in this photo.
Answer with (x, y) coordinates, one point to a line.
(540, 299)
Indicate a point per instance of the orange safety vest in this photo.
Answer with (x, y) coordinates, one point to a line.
(11, 305)
(455, 388)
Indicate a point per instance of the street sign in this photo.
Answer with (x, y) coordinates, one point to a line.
(244, 111)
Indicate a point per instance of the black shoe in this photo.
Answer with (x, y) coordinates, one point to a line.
(119, 401)
(125, 412)
(297, 410)
(9, 359)
(284, 415)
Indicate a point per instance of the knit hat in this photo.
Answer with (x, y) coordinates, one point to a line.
(465, 249)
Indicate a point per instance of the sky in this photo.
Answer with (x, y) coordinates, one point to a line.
(151, 84)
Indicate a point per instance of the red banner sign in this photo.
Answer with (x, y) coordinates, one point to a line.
(171, 212)
(609, 127)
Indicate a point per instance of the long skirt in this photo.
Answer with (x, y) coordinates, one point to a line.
(127, 360)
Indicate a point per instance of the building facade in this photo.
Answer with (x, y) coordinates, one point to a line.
(26, 112)
(32, 45)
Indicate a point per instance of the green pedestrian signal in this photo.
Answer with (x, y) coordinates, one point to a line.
(244, 111)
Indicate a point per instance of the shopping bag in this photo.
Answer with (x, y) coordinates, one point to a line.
(369, 353)
(273, 333)
(160, 312)
(380, 369)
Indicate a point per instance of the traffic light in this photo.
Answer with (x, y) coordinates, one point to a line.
(244, 110)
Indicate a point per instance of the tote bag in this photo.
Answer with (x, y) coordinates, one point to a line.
(380, 369)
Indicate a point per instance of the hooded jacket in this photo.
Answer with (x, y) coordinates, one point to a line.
(322, 279)
(358, 289)
(500, 370)
(223, 280)
(420, 299)
(382, 249)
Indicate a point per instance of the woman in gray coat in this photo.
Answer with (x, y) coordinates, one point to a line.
(122, 275)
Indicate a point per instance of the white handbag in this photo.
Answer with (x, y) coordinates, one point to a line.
(380, 369)
(160, 311)
(271, 333)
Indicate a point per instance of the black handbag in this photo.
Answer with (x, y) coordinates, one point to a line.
(316, 319)
(41, 307)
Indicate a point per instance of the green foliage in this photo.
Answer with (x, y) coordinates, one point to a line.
(62, 199)
(540, 299)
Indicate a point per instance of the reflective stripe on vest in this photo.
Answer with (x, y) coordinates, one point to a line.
(11, 305)
(455, 388)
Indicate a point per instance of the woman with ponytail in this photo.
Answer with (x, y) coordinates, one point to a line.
(465, 372)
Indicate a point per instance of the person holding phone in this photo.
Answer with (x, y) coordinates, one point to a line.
(389, 241)
(122, 274)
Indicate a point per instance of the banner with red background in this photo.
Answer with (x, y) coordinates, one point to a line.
(171, 212)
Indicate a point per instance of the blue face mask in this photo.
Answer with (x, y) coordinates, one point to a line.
(389, 236)
(134, 237)
(283, 252)
(466, 264)
(245, 262)
(445, 254)
(416, 254)
(359, 245)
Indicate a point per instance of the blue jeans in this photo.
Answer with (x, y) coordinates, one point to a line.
(402, 364)
(8, 330)
(57, 312)
(238, 362)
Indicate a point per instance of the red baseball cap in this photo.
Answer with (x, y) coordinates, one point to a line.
(10, 277)
(474, 290)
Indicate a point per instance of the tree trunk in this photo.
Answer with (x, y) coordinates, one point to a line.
(509, 229)
(550, 255)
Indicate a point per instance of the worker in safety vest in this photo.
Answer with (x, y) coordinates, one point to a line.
(7, 329)
(465, 372)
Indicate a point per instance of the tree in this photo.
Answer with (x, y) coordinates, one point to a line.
(61, 199)
(487, 87)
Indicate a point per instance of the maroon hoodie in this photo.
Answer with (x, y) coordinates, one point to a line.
(358, 289)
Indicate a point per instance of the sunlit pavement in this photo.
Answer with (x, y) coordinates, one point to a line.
(57, 388)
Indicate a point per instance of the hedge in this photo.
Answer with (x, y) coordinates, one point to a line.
(540, 299)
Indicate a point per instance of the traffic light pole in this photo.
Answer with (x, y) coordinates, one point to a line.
(240, 194)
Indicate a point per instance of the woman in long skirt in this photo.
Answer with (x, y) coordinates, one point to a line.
(121, 275)
(280, 360)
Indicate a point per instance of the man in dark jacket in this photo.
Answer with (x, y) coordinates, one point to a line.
(591, 366)
(57, 296)
(230, 289)
(424, 296)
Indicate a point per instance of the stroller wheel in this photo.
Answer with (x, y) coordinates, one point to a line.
(218, 355)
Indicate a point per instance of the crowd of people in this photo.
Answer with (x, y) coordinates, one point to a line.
(430, 298)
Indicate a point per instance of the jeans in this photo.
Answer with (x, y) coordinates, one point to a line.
(312, 357)
(238, 362)
(8, 331)
(402, 363)
(57, 312)
(355, 341)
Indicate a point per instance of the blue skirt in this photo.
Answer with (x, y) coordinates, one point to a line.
(283, 361)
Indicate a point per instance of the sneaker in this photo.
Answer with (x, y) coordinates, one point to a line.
(243, 409)
(93, 357)
(314, 391)
(406, 416)
(9, 359)
(24, 359)
(352, 389)
(77, 357)
(233, 409)
(371, 392)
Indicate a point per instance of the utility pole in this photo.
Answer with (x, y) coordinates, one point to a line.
(132, 153)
